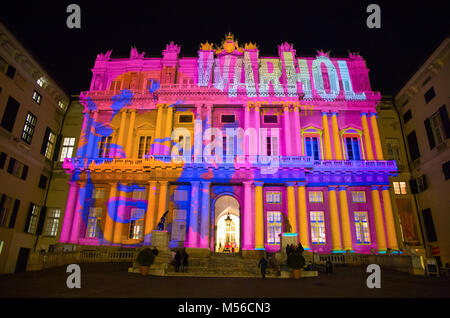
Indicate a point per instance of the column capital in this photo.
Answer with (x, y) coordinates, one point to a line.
(301, 183)
(331, 188)
(290, 183)
(163, 182)
(259, 183)
(196, 183)
(113, 183)
(247, 183)
(374, 187)
(334, 114)
(342, 188)
(385, 187)
(132, 110)
(152, 181)
(373, 114)
(324, 113)
(363, 114)
(205, 183)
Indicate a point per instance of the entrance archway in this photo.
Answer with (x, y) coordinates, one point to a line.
(227, 225)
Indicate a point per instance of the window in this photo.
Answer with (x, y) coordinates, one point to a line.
(429, 225)
(185, 119)
(145, 143)
(43, 181)
(438, 128)
(140, 193)
(9, 116)
(317, 227)
(358, 196)
(179, 225)
(61, 105)
(115, 85)
(407, 116)
(93, 224)
(446, 170)
(413, 146)
(315, 196)
(67, 148)
(270, 119)
(352, 145)
(105, 145)
(312, 147)
(18, 169)
(98, 193)
(34, 218)
(274, 227)
(227, 119)
(362, 228)
(136, 224)
(51, 227)
(180, 195)
(50, 145)
(9, 70)
(37, 97)
(6, 207)
(273, 197)
(272, 146)
(2, 159)
(393, 149)
(422, 183)
(429, 95)
(399, 187)
(28, 128)
(40, 82)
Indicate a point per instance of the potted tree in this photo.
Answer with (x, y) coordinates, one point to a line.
(296, 262)
(145, 259)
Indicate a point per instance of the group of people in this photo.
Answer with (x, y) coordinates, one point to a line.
(291, 248)
(181, 260)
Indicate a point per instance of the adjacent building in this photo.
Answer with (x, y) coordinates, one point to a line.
(423, 103)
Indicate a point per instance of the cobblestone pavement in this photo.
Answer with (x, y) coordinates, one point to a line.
(112, 280)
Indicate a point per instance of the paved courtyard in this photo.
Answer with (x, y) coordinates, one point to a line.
(112, 280)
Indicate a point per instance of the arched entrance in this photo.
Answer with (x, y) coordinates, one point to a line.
(227, 225)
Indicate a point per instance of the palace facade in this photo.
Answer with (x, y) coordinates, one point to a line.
(236, 148)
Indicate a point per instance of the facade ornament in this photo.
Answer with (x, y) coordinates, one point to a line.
(172, 48)
(135, 55)
(104, 57)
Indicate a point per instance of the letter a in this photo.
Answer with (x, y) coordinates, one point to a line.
(73, 20)
(373, 20)
(74, 279)
(374, 279)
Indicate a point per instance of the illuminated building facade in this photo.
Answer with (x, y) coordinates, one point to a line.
(236, 147)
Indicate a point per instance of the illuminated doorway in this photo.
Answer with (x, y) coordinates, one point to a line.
(227, 225)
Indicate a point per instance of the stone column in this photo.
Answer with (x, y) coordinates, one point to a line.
(326, 137)
(297, 132)
(248, 228)
(130, 141)
(345, 219)
(158, 130)
(246, 127)
(110, 214)
(168, 131)
(150, 217)
(162, 202)
(119, 146)
(336, 137)
(334, 218)
(205, 215)
(92, 139)
(378, 215)
(193, 229)
(302, 215)
(69, 211)
(376, 136)
(389, 217)
(259, 216)
(84, 135)
(257, 127)
(291, 206)
(287, 132)
(120, 208)
(198, 136)
(77, 215)
(367, 140)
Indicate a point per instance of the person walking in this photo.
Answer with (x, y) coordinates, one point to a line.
(184, 261)
(263, 265)
(177, 261)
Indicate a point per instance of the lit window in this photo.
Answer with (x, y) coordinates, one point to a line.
(399, 187)
(105, 145)
(312, 147)
(98, 193)
(50, 145)
(145, 143)
(37, 97)
(115, 85)
(358, 196)
(28, 128)
(61, 105)
(317, 227)
(362, 228)
(316, 196)
(40, 82)
(67, 148)
(136, 224)
(272, 146)
(179, 225)
(139, 194)
(34, 217)
(93, 226)
(274, 227)
(273, 197)
(51, 228)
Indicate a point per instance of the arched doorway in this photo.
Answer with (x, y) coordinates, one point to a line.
(227, 225)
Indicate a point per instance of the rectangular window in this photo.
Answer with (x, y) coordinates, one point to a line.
(105, 145)
(429, 95)
(6, 206)
(37, 97)
(393, 149)
(51, 227)
(28, 128)
(51, 140)
(446, 170)
(98, 193)
(227, 119)
(3, 157)
(145, 143)
(317, 227)
(67, 148)
(315, 196)
(413, 146)
(179, 225)
(270, 119)
(438, 128)
(312, 147)
(362, 228)
(429, 225)
(10, 114)
(272, 146)
(17, 169)
(185, 119)
(273, 197)
(274, 227)
(115, 85)
(40, 82)
(140, 194)
(6, 68)
(353, 152)
(43, 181)
(136, 231)
(407, 116)
(180, 195)
(358, 196)
(34, 218)
(93, 226)
(399, 187)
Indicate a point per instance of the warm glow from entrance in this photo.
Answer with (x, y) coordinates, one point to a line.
(227, 238)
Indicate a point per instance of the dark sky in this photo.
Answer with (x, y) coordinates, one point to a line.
(410, 31)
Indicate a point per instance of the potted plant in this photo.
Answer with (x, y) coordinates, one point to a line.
(145, 259)
(296, 262)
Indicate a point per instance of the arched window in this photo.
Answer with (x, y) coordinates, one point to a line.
(312, 142)
(351, 139)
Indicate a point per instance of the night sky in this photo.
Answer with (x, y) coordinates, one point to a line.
(410, 31)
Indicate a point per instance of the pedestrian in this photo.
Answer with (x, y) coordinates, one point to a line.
(184, 261)
(328, 267)
(263, 265)
(177, 261)
(300, 248)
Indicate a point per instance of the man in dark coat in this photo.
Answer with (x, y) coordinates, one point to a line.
(263, 265)
(177, 261)
(184, 261)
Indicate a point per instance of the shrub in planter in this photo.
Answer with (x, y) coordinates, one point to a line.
(296, 262)
(145, 259)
